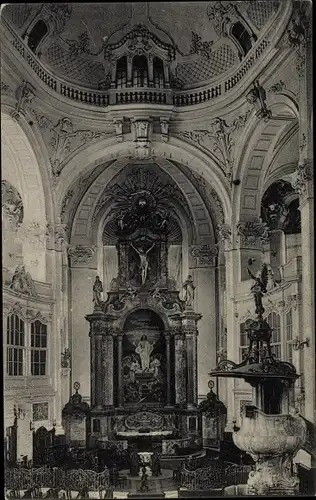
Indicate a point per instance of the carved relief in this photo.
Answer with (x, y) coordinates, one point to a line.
(302, 177)
(252, 233)
(57, 14)
(204, 255)
(81, 254)
(64, 140)
(34, 233)
(220, 140)
(298, 34)
(12, 205)
(58, 233)
(141, 131)
(6, 89)
(277, 87)
(257, 96)
(164, 129)
(204, 49)
(224, 234)
(216, 12)
(25, 95)
(39, 411)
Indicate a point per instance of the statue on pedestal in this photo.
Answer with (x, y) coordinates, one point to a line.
(189, 288)
(97, 290)
(144, 349)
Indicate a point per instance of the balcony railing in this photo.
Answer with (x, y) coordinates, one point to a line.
(105, 98)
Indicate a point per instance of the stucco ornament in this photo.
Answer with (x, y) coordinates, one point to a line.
(302, 177)
(22, 282)
(252, 233)
(81, 254)
(25, 95)
(12, 205)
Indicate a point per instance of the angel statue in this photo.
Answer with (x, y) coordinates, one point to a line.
(97, 290)
(259, 288)
(144, 264)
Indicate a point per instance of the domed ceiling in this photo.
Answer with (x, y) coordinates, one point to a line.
(76, 52)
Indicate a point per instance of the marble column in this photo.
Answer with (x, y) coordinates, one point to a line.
(107, 369)
(168, 362)
(97, 334)
(191, 352)
(98, 382)
(180, 370)
(119, 370)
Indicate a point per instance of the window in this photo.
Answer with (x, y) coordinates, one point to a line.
(37, 33)
(15, 345)
(274, 322)
(38, 348)
(159, 77)
(243, 340)
(121, 72)
(289, 336)
(242, 36)
(140, 71)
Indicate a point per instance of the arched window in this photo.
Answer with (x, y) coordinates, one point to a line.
(242, 36)
(15, 345)
(121, 72)
(159, 76)
(38, 348)
(37, 34)
(140, 71)
(274, 322)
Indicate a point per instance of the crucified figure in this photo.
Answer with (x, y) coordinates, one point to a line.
(143, 266)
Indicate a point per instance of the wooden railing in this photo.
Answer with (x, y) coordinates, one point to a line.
(104, 98)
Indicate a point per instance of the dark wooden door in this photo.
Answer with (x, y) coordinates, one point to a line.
(43, 440)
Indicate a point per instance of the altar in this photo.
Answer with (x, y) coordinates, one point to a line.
(143, 339)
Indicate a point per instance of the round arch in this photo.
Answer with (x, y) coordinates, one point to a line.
(254, 158)
(20, 167)
(109, 149)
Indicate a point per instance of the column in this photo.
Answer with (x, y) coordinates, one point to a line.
(129, 71)
(98, 382)
(119, 370)
(180, 367)
(107, 359)
(150, 71)
(303, 182)
(168, 361)
(83, 273)
(191, 369)
(97, 335)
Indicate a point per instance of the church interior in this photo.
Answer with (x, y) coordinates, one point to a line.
(158, 249)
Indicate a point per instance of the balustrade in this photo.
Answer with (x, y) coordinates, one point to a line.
(129, 96)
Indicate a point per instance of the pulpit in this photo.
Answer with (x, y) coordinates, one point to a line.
(143, 341)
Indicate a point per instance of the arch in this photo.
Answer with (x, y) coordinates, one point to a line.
(163, 316)
(176, 149)
(31, 160)
(198, 223)
(257, 153)
(21, 168)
